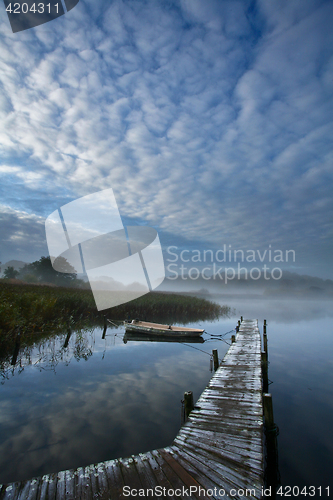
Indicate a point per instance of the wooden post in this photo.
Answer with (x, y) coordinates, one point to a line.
(265, 326)
(268, 411)
(241, 318)
(188, 403)
(69, 333)
(239, 323)
(271, 444)
(264, 367)
(233, 338)
(265, 343)
(105, 327)
(216, 359)
(16, 348)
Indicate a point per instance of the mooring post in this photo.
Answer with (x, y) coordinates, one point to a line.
(233, 338)
(105, 327)
(265, 343)
(264, 367)
(241, 318)
(69, 333)
(188, 403)
(17, 348)
(239, 323)
(216, 359)
(268, 411)
(271, 433)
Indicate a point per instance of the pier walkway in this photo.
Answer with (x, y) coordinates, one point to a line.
(217, 454)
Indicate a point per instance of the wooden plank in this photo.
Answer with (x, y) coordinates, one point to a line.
(175, 481)
(114, 478)
(102, 479)
(158, 473)
(228, 470)
(82, 486)
(10, 491)
(145, 472)
(61, 485)
(216, 479)
(24, 490)
(33, 490)
(69, 484)
(130, 473)
(202, 479)
(93, 475)
(183, 474)
(44, 486)
(216, 439)
(217, 462)
(234, 459)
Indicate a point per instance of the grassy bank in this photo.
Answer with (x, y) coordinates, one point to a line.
(39, 310)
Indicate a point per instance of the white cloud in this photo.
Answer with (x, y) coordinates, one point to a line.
(197, 122)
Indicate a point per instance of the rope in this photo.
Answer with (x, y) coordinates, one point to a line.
(220, 334)
(215, 337)
(189, 345)
(114, 324)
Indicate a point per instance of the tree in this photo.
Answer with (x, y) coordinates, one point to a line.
(45, 273)
(10, 273)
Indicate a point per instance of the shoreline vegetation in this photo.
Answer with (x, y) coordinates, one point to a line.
(35, 311)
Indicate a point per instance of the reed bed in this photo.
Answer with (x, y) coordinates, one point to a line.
(36, 311)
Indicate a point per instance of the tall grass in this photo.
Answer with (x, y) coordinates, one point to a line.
(38, 310)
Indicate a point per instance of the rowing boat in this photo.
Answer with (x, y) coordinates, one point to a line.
(144, 327)
(146, 337)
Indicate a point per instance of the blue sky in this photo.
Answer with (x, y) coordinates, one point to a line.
(211, 120)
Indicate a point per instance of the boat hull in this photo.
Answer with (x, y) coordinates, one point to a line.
(139, 337)
(143, 327)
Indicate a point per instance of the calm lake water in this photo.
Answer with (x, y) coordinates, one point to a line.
(100, 399)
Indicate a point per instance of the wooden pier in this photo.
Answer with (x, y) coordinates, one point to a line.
(218, 453)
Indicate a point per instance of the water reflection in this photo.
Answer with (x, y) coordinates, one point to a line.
(48, 353)
(77, 398)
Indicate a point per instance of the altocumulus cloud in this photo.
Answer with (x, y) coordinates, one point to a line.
(210, 120)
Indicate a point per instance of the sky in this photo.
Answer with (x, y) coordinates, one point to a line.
(210, 120)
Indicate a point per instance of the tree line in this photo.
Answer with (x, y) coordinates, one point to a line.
(41, 271)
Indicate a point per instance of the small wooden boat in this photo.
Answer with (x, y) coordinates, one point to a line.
(146, 337)
(144, 327)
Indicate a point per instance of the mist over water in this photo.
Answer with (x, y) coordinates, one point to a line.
(99, 399)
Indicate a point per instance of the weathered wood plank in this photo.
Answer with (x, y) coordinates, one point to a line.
(103, 486)
(10, 492)
(130, 473)
(175, 481)
(147, 476)
(114, 478)
(61, 485)
(230, 474)
(82, 484)
(183, 474)
(217, 440)
(216, 480)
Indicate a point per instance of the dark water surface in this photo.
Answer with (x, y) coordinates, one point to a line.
(101, 399)
(96, 399)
